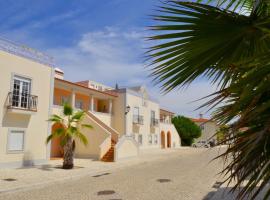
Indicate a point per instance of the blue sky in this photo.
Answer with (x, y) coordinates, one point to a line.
(96, 40)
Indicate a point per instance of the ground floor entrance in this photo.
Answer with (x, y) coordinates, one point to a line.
(56, 149)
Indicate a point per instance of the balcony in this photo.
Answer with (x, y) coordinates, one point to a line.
(138, 119)
(22, 102)
(165, 121)
(154, 122)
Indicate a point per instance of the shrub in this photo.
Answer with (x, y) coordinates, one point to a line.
(186, 129)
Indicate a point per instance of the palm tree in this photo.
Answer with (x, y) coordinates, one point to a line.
(68, 128)
(228, 43)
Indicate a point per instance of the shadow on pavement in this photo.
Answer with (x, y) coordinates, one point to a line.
(224, 193)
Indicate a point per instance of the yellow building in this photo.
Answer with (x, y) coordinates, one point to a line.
(124, 120)
(26, 93)
(208, 127)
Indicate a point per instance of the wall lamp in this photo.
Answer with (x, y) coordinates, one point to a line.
(127, 110)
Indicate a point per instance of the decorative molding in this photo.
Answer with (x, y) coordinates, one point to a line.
(26, 52)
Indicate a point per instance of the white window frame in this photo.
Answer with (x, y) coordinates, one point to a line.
(21, 79)
(202, 127)
(79, 102)
(62, 100)
(8, 141)
(136, 108)
(155, 139)
(140, 139)
(150, 139)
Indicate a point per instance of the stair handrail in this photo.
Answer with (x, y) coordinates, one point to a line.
(113, 132)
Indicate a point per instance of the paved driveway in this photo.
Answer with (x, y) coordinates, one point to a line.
(182, 174)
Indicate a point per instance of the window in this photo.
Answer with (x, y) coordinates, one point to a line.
(150, 139)
(153, 114)
(136, 111)
(64, 100)
(79, 104)
(140, 139)
(20, 92)
(153, 118)
(100, 88)
(202, 126)
(15, 140)
(155, 139)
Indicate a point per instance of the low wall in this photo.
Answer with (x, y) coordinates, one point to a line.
(126, 147)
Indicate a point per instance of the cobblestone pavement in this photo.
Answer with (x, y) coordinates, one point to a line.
(178, 175)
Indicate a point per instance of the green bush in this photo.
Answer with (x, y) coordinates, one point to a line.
(186, 129)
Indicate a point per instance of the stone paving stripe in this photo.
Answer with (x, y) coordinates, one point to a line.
(106, 192)
(9, 179)
(99, 175)
(164, 180)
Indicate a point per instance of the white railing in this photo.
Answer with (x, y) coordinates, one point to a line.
(22, 101)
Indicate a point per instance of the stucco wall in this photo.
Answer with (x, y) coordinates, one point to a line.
(35, 125)
(104, 117)
(210, 128)
(145, 129)
(175, 139)
(126, 148)
(118, 117)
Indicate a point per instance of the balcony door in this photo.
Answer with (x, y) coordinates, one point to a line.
(21, 92)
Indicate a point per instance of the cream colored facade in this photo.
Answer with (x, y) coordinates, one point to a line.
(127, 115)
(208, 127)
(124, 120)
(25, 98)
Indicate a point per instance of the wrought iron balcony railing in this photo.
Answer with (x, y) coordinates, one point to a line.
(22, 101)
(138, 119)
(154, 122)
(165, 121)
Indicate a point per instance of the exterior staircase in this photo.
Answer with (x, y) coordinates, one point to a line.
(109, 156)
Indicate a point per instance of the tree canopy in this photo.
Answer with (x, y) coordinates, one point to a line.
(186, 129)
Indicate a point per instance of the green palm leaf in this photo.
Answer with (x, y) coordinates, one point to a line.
(68, 110)
(197, 40)
(190, 53)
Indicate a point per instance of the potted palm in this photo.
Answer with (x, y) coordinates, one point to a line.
(68, 128)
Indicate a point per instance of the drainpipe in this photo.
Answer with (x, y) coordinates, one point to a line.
(48, 153)
(125, 103)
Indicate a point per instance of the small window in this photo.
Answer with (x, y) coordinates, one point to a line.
(202, 126)
(64, 100)
(140, 139)
(155, 139)
(15, 140)
(79, 104)
(150, 139)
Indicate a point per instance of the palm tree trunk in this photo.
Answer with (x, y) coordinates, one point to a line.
(68, 154)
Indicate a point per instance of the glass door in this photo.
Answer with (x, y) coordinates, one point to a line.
(21, 92)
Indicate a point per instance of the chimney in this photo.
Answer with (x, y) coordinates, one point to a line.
(201, 115)
(59, 73)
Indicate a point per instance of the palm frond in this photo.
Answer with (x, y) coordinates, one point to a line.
(68, 110)
(82, 138)
(87, 126)
(78, 116)
(56, 119)
(202, 40)
(232, 50)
